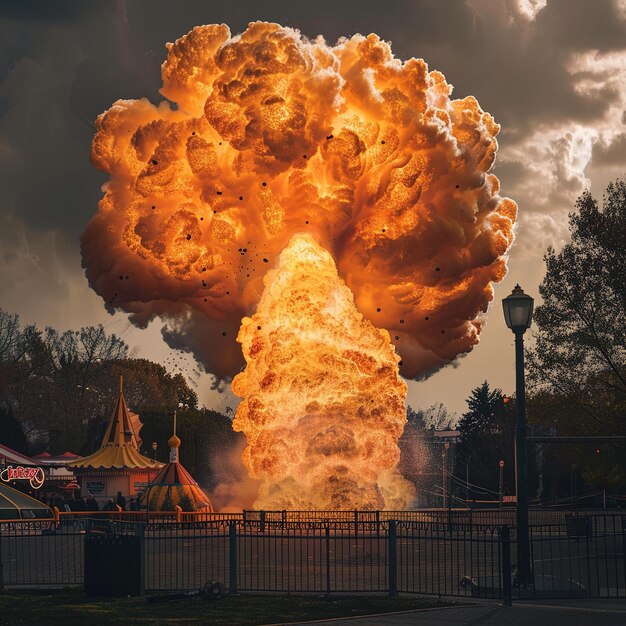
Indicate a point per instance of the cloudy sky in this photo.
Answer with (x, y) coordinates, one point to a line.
(553, 73)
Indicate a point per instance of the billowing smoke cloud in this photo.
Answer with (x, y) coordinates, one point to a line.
(272, 135)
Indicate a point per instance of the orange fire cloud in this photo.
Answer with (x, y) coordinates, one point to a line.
(323, 404)
(273, 135)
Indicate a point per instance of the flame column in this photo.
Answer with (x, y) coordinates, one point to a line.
(518, 314)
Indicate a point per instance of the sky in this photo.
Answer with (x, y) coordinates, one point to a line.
(552, 73)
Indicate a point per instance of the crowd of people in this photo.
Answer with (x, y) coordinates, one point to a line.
(73, 502)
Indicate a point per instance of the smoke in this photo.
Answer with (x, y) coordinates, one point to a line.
(235, 490)
(272, 134)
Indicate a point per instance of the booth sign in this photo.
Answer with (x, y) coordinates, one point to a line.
(34, 475)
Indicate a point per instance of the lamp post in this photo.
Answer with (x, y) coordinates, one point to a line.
(444, 453)
(518, 314)
(501, 465)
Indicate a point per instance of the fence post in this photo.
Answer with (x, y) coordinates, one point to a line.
(1, 565)
(623, 549)
(327, 560)
(356, 523)
(262, 519)
(505, 545)
(142, 558)
(393, 558)
(232, 557)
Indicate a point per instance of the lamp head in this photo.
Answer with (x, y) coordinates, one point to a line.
(518, 310)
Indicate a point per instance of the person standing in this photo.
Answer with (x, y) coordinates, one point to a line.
(92, 503)
(121, 501)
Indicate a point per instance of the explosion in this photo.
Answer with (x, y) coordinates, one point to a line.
(315, 441)
(372, 172)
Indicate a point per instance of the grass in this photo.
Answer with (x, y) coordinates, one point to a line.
(72, 607)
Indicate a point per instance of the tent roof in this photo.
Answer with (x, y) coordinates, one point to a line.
(173, 474)
(119, 447)
(13, 456)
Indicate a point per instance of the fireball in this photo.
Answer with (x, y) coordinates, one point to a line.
(271, 147)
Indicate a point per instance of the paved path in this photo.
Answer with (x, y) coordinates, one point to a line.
(585, 613)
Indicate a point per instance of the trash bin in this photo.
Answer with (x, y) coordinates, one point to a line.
(578, 526)
(114, 561)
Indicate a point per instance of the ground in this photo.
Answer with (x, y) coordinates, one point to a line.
(73, 607)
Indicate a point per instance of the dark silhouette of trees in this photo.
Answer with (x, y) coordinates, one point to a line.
(57, 392)
(577, 368)
(487, 431)
(580, 336)
(11, 433)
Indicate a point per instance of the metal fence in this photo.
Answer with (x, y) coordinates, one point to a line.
(580, 556)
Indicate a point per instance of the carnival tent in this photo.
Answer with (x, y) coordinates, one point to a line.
(174, 486)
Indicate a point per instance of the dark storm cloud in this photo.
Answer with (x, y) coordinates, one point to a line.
(44, 10)
(519, 69)
(59, 72)
(583, 25)
(63, 63)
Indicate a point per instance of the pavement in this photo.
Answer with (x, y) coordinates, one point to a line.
(570, 613)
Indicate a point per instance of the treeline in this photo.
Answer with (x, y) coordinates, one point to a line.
(58, 389)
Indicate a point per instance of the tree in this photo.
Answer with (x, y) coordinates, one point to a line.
(580, 337)
(577, 368)
(487, 437)
(11, 433)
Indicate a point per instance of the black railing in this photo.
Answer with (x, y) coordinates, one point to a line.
(432, 553)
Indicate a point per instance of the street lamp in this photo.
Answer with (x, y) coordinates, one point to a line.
(518, 314)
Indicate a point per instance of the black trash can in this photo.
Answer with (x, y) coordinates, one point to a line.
(578, 526)
(114, 560)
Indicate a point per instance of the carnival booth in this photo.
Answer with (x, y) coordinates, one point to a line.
(117, 466)
(20, 471)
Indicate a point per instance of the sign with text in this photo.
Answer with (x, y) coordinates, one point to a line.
(95, 488)
(139, 486)
(34, 475)
(509, 499)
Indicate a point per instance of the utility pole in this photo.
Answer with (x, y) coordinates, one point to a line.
(444, 472)
(501, 465)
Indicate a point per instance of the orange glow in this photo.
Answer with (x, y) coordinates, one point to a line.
(377, 178)
(323, 404)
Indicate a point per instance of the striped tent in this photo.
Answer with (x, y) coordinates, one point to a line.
(174, 486)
